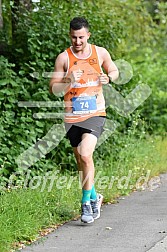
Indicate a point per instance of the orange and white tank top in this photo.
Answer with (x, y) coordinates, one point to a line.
(84, 99)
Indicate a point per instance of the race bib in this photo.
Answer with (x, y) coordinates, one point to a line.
(84, 105)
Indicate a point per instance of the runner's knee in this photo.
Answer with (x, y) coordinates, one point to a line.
(86, 160)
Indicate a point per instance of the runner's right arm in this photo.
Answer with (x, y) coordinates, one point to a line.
(58, 82)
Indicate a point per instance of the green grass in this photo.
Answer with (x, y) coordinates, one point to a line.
(138, 163)
(26, 213)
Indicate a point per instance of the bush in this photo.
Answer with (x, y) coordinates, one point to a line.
(126, 29)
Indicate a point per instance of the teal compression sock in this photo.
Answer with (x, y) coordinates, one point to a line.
(93, 195)
(85, 195)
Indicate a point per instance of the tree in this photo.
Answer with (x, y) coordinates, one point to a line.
(1, 18)
(10, 12)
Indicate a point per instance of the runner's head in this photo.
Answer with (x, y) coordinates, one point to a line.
(79, 33)
(79, 22)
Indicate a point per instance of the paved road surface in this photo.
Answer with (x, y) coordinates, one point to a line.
(138, 223)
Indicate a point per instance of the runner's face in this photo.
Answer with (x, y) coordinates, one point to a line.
(79, 39)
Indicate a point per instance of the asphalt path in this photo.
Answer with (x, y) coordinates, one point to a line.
(137, 223)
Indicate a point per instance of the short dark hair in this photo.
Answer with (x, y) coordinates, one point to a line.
(78, 23)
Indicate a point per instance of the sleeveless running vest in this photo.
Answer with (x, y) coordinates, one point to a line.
(84, 99)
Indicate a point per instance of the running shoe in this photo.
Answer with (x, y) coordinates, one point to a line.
(96, 205)
(87, 214)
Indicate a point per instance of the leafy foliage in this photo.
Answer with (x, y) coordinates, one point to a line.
(125, 28)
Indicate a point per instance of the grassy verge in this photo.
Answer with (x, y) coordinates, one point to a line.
(138, 167)
(26, 214)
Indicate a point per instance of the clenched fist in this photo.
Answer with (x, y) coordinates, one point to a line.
(103, 78)
(76, 75)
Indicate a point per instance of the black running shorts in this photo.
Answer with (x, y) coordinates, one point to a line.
(93, 125)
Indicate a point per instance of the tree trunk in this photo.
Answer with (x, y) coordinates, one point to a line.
(1, 18)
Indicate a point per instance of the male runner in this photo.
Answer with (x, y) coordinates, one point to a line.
(78, 72)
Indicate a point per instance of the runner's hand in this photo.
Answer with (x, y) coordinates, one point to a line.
(76, 75)
(103, 78)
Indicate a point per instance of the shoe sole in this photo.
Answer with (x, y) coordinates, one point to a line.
(88, 221)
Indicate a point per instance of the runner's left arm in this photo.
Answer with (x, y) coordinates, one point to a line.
(109, 66)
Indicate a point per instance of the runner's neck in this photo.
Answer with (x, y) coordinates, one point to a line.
(85, 53)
